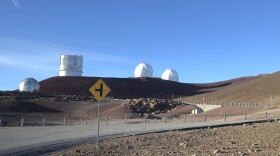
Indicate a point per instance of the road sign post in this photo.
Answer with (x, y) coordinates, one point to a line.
(98, 126)
(99, 90)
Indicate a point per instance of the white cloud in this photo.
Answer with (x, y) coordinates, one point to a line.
(31, 58)
(54, 50)
(43, 58)
(31, 63)
(96, 56)
(16, 3)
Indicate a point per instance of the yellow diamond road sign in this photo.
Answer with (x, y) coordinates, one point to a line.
(100, 90)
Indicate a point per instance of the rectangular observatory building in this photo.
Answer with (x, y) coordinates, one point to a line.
(71, 65)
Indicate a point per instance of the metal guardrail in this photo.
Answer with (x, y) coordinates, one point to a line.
(109, 120)
(229, 104)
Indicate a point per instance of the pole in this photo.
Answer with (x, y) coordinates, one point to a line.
(21, 123)
(43, 121)
(107, 120)
(204, 105)
(98, 126)
(272, 98)
(225, 116)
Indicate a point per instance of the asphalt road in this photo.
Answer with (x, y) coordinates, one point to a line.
(42, 140)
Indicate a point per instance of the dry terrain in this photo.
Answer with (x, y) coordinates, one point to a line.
(34, 107)
(128, 88)
(15, 106)
(258, 90)
(68, 97)
(256, 139)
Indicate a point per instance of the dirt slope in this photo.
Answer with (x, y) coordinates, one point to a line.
(257, 90)
(131, 87)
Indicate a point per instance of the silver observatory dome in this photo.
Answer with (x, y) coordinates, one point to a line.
(29, 85)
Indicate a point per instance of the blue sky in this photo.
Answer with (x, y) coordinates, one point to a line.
(204, 40)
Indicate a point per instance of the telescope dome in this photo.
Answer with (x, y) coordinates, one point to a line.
(171, 75)
(143, 70)
(71, 65)
(29, 85)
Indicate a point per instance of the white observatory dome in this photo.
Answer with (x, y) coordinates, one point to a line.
(71, 65)
(143, 70)
(170, 74)
(29, 85)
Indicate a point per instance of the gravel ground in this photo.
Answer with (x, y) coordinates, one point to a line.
(257, 139)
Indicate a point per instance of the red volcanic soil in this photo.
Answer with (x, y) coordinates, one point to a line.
(231, 81)
(130, 87)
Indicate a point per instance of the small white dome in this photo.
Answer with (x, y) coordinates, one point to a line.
(170, 74)
(143, 70)
(29, 85)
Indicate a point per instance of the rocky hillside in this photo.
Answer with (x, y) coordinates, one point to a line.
(17, 95)
(144, 107)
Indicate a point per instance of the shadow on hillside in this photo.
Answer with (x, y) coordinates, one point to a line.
(127, 88)
(21, 106)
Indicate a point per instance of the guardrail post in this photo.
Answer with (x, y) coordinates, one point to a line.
(21, 122)
(43, 121)
(64, 121)
(245, 116)
(266, 115)
(185, 120)
(205, 118)
(125, 119)
(225, 116)
(107, 120)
